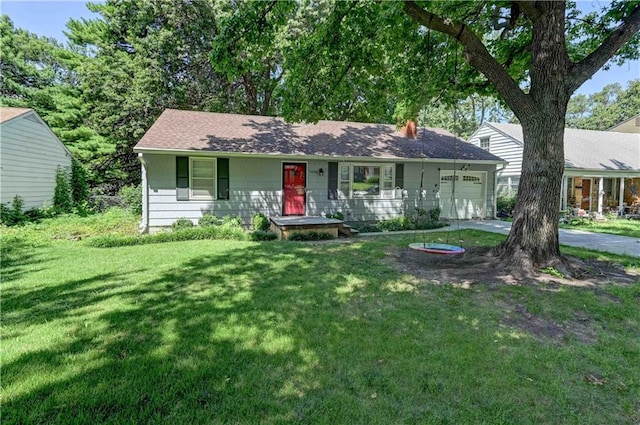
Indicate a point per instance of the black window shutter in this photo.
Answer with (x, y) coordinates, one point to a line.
(182, 178)
(223, 178)
(333, 180)
(400, 176)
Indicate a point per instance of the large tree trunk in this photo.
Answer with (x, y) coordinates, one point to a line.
(533, 240)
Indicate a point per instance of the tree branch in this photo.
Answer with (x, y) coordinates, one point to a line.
(583, 70)
(529, 9)
(477, 55)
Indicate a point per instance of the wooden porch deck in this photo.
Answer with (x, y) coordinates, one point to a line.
(286, 226)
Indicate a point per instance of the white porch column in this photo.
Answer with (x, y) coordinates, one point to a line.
(621, 200)
(563, 194)
(600, 194)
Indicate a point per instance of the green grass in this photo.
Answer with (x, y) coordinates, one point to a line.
(621, 227)
(293, 332)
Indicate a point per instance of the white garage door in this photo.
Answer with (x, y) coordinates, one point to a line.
(469, 198)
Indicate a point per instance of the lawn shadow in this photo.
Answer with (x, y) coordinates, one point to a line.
(15, 255)
(228, 337)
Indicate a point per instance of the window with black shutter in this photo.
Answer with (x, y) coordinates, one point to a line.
(223, 178)
(182, 178)
(333, 180)
(400, 176)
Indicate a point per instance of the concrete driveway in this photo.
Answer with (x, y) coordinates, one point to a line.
(579, 238)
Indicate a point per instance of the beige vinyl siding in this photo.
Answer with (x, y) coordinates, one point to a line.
(506, 148)
(29, 154)
(255, 185)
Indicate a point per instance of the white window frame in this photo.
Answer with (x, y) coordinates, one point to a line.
(381, 195)
(213, 178)
(486, 139)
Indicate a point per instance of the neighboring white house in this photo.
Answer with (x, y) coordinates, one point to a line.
(226, 164)
(602, 168)
(30, 154)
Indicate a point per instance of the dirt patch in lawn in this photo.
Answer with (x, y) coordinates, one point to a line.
(477, 265)
(579, 327)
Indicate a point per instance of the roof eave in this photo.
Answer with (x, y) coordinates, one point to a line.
(576, 171)
(165, 151)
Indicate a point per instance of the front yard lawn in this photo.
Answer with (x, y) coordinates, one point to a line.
(621, 226)
(320, 333)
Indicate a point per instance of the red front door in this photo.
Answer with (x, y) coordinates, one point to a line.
(586, 194)
(294, 186)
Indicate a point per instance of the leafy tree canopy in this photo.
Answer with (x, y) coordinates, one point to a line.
(40, 73)
(376, 61)
(606, 108)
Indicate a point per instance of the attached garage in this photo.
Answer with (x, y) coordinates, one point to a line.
(462, 194)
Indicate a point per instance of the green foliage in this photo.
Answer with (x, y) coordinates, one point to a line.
(337, 215)
(248, 50)
(606, 108)
(208, 220)
(464, 116)
(262, 235)
(615, 226)
(505, 204)
(553, 272)
(232, 221)
(63, 193)
(182, 223)
(420, 219)
(11, 216)
(132, 198)
(260, 222)
(29, 64)
(186, 233)
(395, 224)
(46, 226)
(79, 185)
(144, 57)
(311, 236)
(40, 73)
(434, 214)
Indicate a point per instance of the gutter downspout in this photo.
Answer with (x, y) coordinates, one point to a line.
(144, 223)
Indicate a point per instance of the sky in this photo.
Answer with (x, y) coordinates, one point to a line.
(49, 18)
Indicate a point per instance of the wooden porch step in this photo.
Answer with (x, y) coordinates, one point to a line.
(347, 230)
(286, 226)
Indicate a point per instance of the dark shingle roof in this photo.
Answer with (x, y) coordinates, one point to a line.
(591, 149)
(247, 134)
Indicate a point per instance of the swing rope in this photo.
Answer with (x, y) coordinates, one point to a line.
(438, 248)
(456, 134)
(420, 193)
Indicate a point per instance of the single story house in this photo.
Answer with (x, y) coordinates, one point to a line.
(227, 164)
(602, 168)
(30, 154)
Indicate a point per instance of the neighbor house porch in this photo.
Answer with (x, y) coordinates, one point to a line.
(601, 193)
